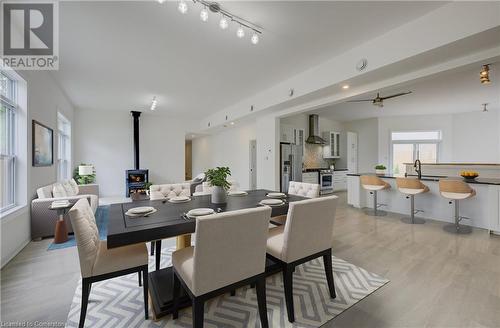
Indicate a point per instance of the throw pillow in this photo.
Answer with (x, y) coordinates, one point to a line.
(74, 185)
(58, 190)
(68, 188)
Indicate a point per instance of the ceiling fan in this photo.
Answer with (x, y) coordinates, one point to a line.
(379, 101)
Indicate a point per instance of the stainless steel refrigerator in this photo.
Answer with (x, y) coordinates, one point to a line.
(290, 164)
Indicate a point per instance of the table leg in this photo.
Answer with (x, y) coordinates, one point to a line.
(61, 231)
(183, 241)
(158, 254)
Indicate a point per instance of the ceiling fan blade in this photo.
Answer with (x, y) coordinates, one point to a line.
(361, 100)
(396, 95)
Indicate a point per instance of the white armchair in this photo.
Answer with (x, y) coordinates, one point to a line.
(166, 191)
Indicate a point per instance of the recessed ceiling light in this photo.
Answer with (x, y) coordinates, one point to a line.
(232, 123)
(161, 1)
(345, 87)
(154, 102)
(255, 38)
(183, 7)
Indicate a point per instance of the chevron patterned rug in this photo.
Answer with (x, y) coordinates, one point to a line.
(118, 302)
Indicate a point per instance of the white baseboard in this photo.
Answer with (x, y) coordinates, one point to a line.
(17, 251)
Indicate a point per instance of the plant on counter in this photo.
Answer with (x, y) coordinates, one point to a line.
(83, 179)
(218, 180)
(380, 169)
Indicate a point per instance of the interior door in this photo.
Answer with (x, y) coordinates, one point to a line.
(253, 164)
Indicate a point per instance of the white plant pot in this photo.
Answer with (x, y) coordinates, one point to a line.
(381, 172)
(219, 195)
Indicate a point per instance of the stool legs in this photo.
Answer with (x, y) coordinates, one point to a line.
(457, 227)
(412, 219)
(375, 211)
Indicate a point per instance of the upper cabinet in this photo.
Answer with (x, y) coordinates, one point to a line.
(332, 147)
(292, 135)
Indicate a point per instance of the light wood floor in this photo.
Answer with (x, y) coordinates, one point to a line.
(437, 279)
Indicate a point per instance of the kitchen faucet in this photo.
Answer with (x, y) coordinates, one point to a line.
(418, 168)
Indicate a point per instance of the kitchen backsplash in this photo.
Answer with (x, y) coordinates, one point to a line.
(313, 157)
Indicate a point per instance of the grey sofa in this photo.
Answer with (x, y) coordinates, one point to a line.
(43, 219)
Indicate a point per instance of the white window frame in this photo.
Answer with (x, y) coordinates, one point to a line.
(415, 143)
(10, 102)
(63, 147)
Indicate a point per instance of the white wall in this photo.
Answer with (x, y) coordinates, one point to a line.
(476, 137)
(45, 99)
(105, 139)
(367, 131)
(230, 148)
(467, 137)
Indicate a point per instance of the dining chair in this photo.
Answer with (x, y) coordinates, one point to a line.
(309, 190)
(97, 262)
(306, 235)
(230, 252)
(163, 192)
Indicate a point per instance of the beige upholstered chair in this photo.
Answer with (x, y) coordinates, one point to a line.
(166, 191)
(306, 235)
(97, 262)
(374, 184)
(411, 187)
(455, 191)
(309, 190)
(230, 252)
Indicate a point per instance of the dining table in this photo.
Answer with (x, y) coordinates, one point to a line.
(170, 220)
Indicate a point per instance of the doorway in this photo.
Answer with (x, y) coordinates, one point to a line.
(253, 165)
(188, 160)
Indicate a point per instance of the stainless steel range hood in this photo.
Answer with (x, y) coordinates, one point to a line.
(314, 137)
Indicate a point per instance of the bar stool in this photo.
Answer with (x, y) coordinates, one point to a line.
(456, 190)
(411, 187)
(374, 184)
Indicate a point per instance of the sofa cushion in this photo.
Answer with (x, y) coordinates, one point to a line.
(58, 190)
(68, 188)
(44, 192)
(74, 185)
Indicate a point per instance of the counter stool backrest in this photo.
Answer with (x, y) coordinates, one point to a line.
(409, 183)
(454, 186)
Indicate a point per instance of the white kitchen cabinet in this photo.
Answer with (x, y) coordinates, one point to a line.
(286, 133)
(339, 180)
(310, 177)
(332, 147)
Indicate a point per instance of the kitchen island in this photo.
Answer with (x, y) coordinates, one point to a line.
(482, 209)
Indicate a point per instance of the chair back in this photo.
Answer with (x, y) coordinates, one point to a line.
(409, 183)
(230, 247)
(309, 190)
(309, 227)
(169, 190)
(454, 186)
(371, 180)
(86, 234)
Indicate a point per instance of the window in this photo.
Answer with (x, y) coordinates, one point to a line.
(8, 107)
(406, 147)
(64, 148)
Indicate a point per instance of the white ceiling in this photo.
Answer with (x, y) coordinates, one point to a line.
(454, 91)
(118, 55)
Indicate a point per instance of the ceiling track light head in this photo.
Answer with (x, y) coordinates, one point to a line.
(214, 7)
(485, 107)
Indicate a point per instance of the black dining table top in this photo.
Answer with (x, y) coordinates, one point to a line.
(169, 221)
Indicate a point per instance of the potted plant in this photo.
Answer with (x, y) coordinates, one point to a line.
(147, 185)
(83, 179)
(218, 180)
(380, 169)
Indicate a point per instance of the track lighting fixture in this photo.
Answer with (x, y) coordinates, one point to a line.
(153, 103)
(226, 20)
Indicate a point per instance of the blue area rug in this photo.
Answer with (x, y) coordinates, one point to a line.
(101, 219)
